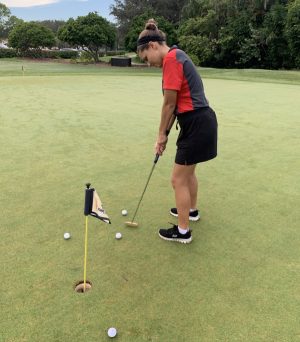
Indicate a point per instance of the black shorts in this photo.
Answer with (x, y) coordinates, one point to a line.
(197, 140)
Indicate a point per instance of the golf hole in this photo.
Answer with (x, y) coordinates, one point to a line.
(79, 286)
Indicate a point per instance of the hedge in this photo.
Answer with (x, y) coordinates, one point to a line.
(9, 53)
(115, 53)
(54, 54)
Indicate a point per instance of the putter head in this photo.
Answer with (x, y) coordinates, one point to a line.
(131, 224)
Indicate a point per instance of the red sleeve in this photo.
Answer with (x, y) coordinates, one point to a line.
(172, 75)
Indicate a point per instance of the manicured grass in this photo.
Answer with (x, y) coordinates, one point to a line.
(13, 67)
(64, 125)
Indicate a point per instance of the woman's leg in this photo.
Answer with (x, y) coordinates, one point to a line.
(184, 183)
(193, 186)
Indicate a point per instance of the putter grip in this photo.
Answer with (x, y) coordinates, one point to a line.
(157, 155)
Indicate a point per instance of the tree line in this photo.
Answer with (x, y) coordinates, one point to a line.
(221, 33)
(215, 33)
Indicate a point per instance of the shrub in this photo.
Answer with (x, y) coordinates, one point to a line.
(65, 54)
(194, 59)
(35, 53)
(84, 57)
(8, 53)
(115, 53)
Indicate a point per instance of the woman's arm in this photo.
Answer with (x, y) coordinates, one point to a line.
(167, 119)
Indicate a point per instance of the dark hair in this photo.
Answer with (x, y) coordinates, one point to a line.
(151, 33)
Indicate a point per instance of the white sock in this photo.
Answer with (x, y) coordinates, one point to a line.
(183, 231)
(191, 210)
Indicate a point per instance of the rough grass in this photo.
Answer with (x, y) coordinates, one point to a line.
(238, 280)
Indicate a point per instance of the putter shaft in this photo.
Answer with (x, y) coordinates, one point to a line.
(154, 163)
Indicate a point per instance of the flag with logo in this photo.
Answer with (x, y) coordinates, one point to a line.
(93, 205)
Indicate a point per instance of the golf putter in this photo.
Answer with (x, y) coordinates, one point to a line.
(135, 224)
(132, 223)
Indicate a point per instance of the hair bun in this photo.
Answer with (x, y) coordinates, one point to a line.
(151, 25)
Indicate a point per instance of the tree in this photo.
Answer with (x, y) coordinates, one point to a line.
(232, 38)
(275, 40)
(138, 25)
(7, 21)
(222, 8)
(126, 10)
(195, 8)
(293, 30)
(11, 22)
(200, 48)
(4, 16)
(198, 36)
(206, 25)
(90, 32)
(169, 9)
(53, 25)
(4, 12)
(26, 36)
(249, 52)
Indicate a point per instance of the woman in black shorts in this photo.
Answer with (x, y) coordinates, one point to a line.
(185, 100)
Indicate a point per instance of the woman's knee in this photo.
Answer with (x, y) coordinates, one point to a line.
(177, 181)
(182, 175)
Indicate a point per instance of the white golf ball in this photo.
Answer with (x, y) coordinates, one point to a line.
(112, 332)
(118, 236)
(124, 212)
(67, 236)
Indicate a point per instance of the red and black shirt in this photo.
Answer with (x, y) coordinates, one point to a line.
(180, 74)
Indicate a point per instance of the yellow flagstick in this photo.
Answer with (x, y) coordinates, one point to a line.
(85, 252)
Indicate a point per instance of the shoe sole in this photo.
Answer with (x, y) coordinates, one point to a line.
(185, 241)
(194, 219)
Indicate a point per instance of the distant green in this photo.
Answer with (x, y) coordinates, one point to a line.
(64, 125)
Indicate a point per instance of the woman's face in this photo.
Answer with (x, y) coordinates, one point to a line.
(152, 56)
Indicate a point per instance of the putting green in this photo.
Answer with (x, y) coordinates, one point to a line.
(65, 125)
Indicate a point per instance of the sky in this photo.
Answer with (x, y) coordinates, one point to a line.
(57, 9)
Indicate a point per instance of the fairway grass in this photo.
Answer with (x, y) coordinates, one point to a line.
(239, 280)
(28, 67)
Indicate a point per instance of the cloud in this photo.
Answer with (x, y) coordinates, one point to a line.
(27, 3)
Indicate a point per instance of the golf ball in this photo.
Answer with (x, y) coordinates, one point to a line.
(124, 212)
(112, 332)
(67, 236)
(118, 236)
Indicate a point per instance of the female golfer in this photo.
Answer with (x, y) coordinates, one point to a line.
(184, 99)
